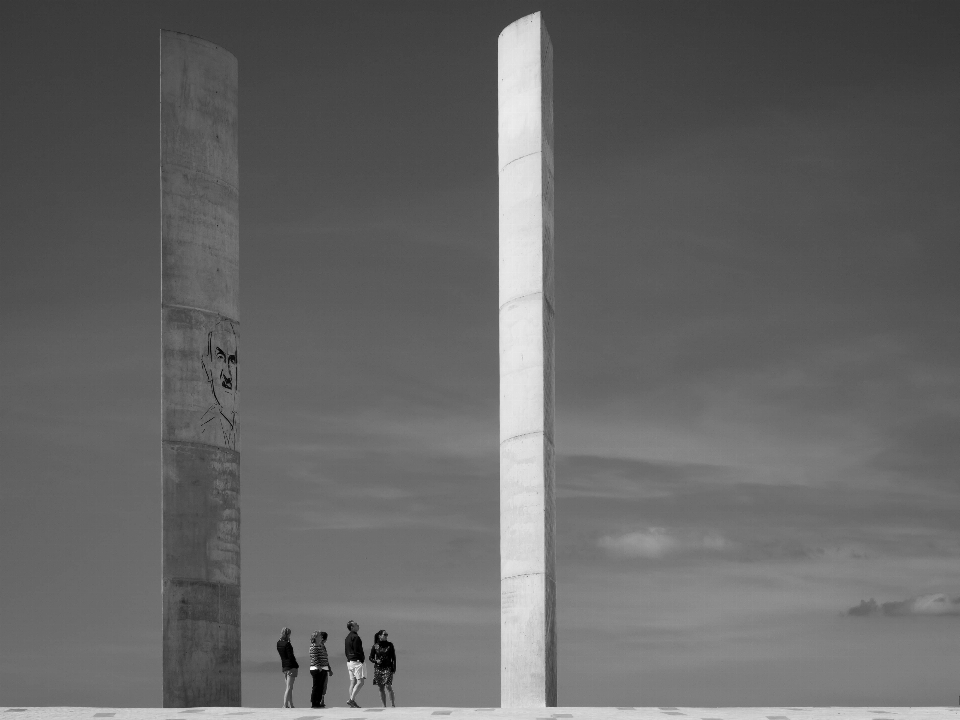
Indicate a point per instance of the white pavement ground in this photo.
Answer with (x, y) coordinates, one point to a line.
(435, 713)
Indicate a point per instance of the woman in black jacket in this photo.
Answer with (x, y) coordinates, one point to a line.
(384, 659)
(289, 665)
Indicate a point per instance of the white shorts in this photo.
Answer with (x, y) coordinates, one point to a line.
(355, 668)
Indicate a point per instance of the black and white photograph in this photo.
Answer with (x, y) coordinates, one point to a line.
(480, 358)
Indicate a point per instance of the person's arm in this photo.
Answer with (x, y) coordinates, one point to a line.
(363, 657)
(393, 658)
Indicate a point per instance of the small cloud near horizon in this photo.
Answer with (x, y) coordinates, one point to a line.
(657, 542)
(937, 604)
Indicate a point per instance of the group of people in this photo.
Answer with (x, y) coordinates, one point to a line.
(383, 657)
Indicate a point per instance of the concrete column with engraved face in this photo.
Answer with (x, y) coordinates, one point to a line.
(200, 382)
(528, 632)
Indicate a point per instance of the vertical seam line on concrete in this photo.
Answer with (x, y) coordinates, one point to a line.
(519, 158)
(191, 307)
(520, 297)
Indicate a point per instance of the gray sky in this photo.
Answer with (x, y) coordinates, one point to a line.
(758, 405)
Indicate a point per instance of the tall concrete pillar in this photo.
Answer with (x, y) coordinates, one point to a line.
(528, 629)
(200, 384)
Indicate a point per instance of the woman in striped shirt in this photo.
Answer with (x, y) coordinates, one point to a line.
(319, 668)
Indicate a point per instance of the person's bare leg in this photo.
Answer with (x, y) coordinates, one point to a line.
(393, 702)
(353, 681)
(288, 692)
(383, 695)
(356, 689)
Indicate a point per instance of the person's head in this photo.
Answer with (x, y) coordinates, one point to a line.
(381, 635)
(220, 363)
(313, 637)
(353, 625)
(323, 636)
(285, 634)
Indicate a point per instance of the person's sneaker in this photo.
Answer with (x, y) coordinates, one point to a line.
(351, 703)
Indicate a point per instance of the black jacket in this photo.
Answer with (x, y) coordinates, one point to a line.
(384, 657)
(353, 647)
(287, 660)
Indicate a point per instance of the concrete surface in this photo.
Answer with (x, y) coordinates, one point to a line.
(200, 393)
(528, 633)
(435, 713)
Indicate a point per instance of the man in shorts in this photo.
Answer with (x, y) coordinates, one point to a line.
(353, 649)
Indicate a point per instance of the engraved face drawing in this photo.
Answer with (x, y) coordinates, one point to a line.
(220, 362)
(222, 359)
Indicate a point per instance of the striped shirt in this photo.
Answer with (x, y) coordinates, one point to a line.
(318, 655)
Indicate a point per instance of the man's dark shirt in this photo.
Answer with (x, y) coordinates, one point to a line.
(353, 647)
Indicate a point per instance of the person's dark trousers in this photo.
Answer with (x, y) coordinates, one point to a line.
(319, 687)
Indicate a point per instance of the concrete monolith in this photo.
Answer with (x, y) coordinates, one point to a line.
(200, 385)
(528, 630)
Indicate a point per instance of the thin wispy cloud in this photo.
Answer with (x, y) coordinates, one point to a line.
(932, 605)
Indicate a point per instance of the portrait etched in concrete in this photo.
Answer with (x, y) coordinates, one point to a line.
(220, 423)
(200, 392)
